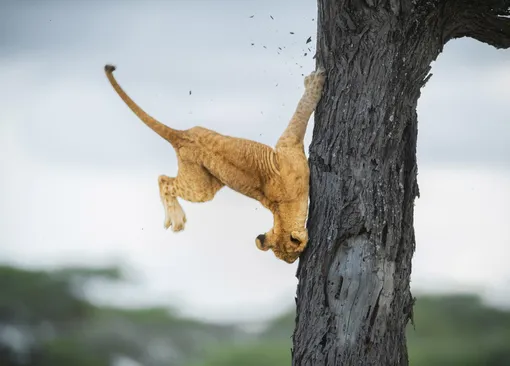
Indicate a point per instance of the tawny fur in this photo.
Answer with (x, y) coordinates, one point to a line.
(278, 178)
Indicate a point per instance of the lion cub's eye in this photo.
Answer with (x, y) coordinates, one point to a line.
(294, 240)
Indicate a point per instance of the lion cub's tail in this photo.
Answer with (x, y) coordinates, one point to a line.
(171, 135)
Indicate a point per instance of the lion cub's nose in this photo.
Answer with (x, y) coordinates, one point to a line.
(261, 238)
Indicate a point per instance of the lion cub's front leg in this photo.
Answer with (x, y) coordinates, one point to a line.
(295, 132)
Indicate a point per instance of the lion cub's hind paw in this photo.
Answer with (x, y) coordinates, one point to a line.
(168, 222)
(176, 223)
(178, 227)
(175, 218)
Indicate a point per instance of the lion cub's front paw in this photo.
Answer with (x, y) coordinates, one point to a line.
(314, 84)
(315, 81)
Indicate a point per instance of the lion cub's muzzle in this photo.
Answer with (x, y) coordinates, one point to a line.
(260, 241)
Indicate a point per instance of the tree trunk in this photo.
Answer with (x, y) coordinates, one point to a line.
(353, 298)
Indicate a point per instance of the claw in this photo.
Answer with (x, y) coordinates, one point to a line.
(167, 223)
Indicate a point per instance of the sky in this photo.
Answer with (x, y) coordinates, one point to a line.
(79, 171)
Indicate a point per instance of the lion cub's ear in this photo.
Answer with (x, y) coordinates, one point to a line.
(299, 237)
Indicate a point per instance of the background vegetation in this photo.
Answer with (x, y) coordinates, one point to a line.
(45, 319)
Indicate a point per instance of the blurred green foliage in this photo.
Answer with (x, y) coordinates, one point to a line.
(257, 353)
(46, 320)
(459, 330)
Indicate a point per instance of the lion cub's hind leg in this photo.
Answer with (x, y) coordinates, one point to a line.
(174, 214)
(193, 183)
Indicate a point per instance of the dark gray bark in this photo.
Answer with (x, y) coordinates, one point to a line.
(353, 297)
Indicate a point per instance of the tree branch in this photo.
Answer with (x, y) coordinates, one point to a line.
(490, 29)
(487, 22)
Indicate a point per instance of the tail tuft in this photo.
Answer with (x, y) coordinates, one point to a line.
(109, 68)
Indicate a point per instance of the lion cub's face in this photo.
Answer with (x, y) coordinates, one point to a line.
(288, 237)
(286, 246)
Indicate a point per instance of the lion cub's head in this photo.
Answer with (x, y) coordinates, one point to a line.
(285, 246)
(288, 237)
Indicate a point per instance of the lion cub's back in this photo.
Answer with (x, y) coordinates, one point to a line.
(246, 154)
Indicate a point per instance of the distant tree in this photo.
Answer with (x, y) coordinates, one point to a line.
(45, 319)
(353, 297)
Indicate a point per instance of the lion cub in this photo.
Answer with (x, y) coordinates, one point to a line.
(278, 178)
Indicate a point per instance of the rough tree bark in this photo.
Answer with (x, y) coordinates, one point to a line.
(353, 298)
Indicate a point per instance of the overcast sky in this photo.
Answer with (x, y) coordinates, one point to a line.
(79, 170)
